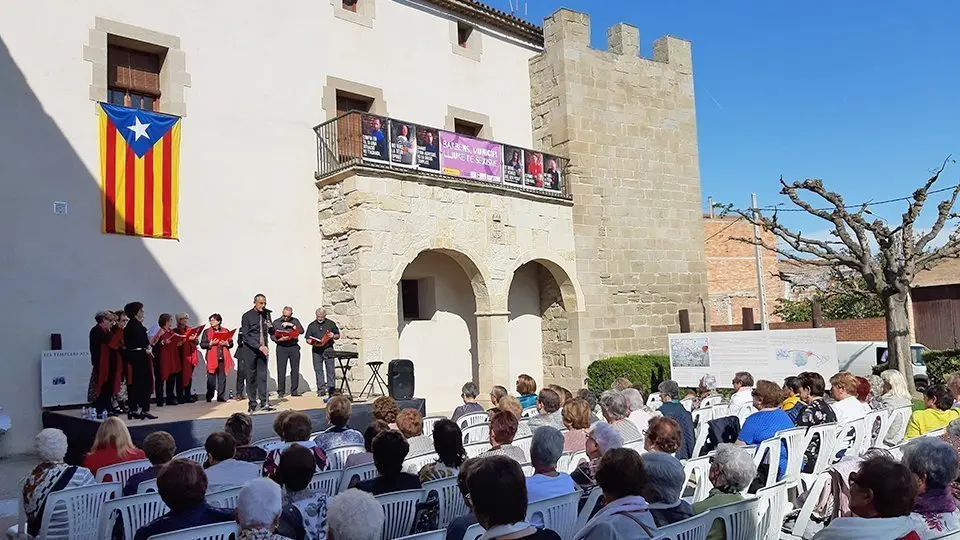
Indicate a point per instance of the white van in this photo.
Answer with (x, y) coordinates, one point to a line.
(859, 358)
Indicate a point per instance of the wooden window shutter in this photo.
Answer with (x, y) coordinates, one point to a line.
(132, 70)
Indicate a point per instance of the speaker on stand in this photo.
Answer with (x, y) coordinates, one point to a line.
(400, 379)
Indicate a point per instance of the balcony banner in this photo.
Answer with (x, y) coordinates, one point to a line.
(403, 145)
(513, 165)
(466, 157)
(428, 150)
(375, 136)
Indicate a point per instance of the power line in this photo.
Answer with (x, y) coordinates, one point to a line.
(868, 203)
(723, 229)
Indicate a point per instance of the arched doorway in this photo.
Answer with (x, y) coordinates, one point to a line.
(437, 324)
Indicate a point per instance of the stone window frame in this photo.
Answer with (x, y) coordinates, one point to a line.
(365, 14)
(335, 84)
(474, 48)
(456, 113)
(174, 79)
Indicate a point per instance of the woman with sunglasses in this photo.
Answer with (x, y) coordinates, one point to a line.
(767, 421)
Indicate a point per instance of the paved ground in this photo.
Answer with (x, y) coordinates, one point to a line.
(12, 471)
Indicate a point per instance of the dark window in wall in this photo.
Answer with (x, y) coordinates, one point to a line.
(133, 78)
(352, 102)
(464, 127)
(464, 31)
(350, 5)
(410, 297)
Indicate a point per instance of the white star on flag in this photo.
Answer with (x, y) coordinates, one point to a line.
(140, 130)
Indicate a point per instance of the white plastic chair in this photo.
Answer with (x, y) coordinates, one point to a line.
(903, 414)
(575, 459)
(265, 443)
(361, 472)
(326, 482)
(793, 439)
(773, 506)
(702, 431)
(414, 464)
(215, 531)
(699, 468)
(584, 516)
(79, 508)
(949, 536)
(474, 450)
(769, 451)
(476, 433)
(473, 419)
(225, 498)
(527, 469)
(198, 455)
(452, 504)
(399, 510)
(745, 412)
(935, 433)
(147, 486)
(711, 401)
(338, 456)
(559, 513)
(827, 434)
(529, 412)
(692, 528)
(473, 532)
(878, 423)
(134, 512)
(850, 439)
(431, 535)
(524, 443)
(687, 404)
(701, 416)
(654, 401)
(121, 472)
(740, 518)
(799, 529)
(428, 423)
(897, 451)
(636, 446)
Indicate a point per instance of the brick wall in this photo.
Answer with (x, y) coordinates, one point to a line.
(847, 329)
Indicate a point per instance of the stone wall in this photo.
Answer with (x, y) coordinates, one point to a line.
(554, 324)
(628, 125)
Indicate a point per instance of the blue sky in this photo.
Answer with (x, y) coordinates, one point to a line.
(862, 94)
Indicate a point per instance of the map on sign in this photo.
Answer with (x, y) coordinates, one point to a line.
(690, 352)
(800, 358)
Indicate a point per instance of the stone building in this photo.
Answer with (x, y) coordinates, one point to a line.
(470, 278)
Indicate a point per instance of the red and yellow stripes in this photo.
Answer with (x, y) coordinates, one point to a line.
(139, 195)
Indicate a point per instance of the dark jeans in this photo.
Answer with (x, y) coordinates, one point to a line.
(138, 387)
(217, 381)
(174, 390)
(323, 364)
(241, 373)
(285, 353)
(256, 378)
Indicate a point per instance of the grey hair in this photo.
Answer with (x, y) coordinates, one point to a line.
(634, 398)
(735, 466)
(354, 515)
(51, 444)
(709, 382)
(470, 389)
(953, 428)
(670, 388)
(606, 437)
(932, 458)
(286, 308)
(260, 503)
(546, 446)
(614, 405)
(320, 310)
(665, 478)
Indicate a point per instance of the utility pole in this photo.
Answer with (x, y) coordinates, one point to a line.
(758, 251)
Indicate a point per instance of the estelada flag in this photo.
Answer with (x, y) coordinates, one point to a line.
(139, 171)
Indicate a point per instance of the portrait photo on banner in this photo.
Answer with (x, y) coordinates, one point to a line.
(403, 143)
(513, 165)
(551, 175)
(376, 137)
(533, 174)
(428, 150)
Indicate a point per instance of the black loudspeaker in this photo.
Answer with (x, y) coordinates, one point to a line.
(400, 379)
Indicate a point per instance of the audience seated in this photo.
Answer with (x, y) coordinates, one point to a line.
(498, 493)
(183, 486)
(665, 483)
(672, 408)
(625, 515)
(111, 445)
(615, 411)
(295, 428)
(496, 394)
(410, 424)
(469, 393)
(863, 393)
(547, 482)
(576, 418)
(663, 435)
(938, 413)
(843, 388)
(223, 470)
(934, 464)
(512, 404)
(159, 447)
(707, 387)
(50, 475)
(587, 395)
(834, 500)
(895, 396)
(767, 421)
(602, 438)
(503, 428)
(240, 427)
(304, 514)
(385, 408)
(548, 407)
(743, 392)
(562, 392)
(731, 472)
(527, 388)
(355, 515)
(448, 443)
(952, 437)
(458, 526)
(620, 384)
(792, 404)
(259, 509)
(363, 458)
(338, 434)
(390, 448)
(882, 496)
(952, 381)
(816, 412)
(640, 414)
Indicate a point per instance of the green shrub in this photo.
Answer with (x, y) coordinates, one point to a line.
(646, 370)
(941, 363)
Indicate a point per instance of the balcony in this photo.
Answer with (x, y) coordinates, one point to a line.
(358, 139)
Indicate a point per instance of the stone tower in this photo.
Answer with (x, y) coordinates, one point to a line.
(628, 125)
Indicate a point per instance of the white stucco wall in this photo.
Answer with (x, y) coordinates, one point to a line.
(248, 204)
(523, 303)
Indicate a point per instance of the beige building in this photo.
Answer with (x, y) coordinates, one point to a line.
(470, 279)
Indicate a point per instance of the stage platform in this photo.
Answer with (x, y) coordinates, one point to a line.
(191, 423)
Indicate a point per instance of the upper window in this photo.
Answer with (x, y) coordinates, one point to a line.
(464, 127)
(351, 102)
(350, 5)
(464, 33)
(133, 78)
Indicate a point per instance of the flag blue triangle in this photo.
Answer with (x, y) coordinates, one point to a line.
(141, 129)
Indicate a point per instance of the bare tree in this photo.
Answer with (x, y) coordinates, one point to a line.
(887, 269)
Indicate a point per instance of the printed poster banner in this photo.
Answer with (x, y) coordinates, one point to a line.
(513, 165)
(403, 146)
(466, 157)
(375, 139)
(428, 149)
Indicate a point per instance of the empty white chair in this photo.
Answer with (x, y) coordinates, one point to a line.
(559, 514)
(428, 423)
(359, 472)
(474, 450)
(878, 423)
(452, 504)
(524, 443)
(81, 507)
(414, 464)
(431, 535)
(134, 512)
(121, 472)
(225, 498)
(473, 532)
(687, 404)
(793, 439)
(473, 419)
(399, 510)
(529, 412)
(325, 481)
(740, 518)
(692, 528)
(584, 516)
(699, 469)
(215, 531)
(476, 433)
(773, 506)
(147, 486)
(338, 456)
(575, 459)
(198, 455)
(898, 424)
(711, 401)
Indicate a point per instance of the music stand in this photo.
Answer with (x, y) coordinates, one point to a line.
(374, 377)
(343, 362)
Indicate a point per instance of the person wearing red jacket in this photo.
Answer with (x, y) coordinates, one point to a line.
(219, 361)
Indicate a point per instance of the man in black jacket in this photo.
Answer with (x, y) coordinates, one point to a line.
(288, 348)
(255, 331)
(323, 354)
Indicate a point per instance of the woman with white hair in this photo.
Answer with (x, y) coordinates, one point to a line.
(600, 440)
(615, 411)
(706, 388)
(545, 450)
(895, 395)
(665, 481)
(731, 473)
(52, 474)
(259, 509)
(640, 414)
(355, 515)
(934, 464)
